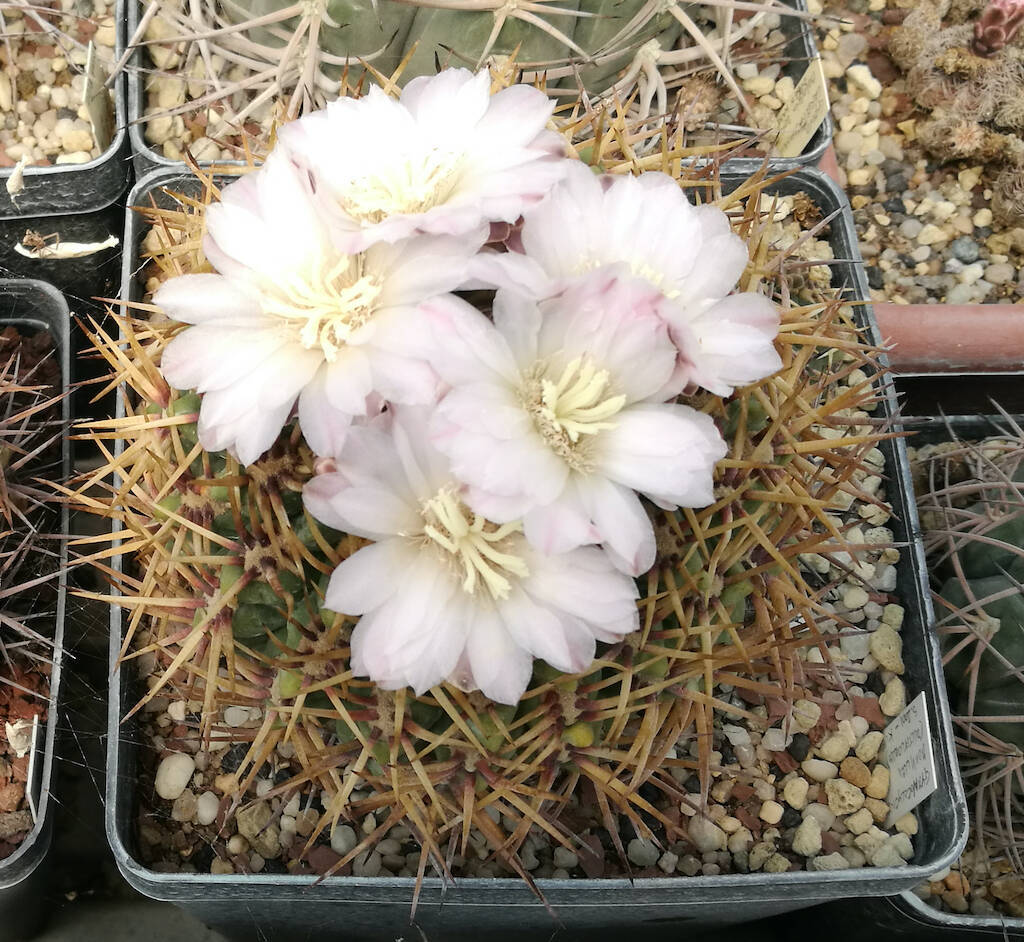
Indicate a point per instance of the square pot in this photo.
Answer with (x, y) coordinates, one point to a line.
(801, 47)
(78, 188)
(294, 907)
(37, 306)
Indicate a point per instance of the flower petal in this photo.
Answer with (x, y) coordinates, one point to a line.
(625, 528)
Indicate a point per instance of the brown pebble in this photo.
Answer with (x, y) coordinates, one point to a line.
(868, 708)
(955, 901)
(855, 771)
(829, 843)
(957, 882)
(785, 762)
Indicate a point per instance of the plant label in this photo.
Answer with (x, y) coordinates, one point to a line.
(97, 100)
(802, 115)
(908, 753)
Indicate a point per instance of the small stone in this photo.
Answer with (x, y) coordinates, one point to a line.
(878, 787)
(806, 714)
(887, 648)
(911, 227)
(807, 839)
(828, 862)
(1000, 274)
(892, 615)
(795, 793)
(667, 862)
(221, 867)
(931, 234)
(964, 249)
(173, 774)
(776, 864)
(878, 808)
(645, 853)
(955, 901)
(565, 858)
(855, 772)
(843, 798)
(759, 855)
(894, 700)
(771, 812)
(774, 740)
(176, 710)
(907, 824)
(800, 747)
(860, 822)
(860, 75)
(706, 835)
(834, 749)
(822, 814)
(237, 845)
(855, 597)
(235, 716)
(367, 864)
(903, 844)
(868, 746)
(887, 856)
(207, 806)
(184, 807)
(819, 770)
(688, 865)
(343, 839)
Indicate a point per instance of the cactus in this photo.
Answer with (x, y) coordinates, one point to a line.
(226, 576)
(969, 494)
(224, 68)
(969, 73)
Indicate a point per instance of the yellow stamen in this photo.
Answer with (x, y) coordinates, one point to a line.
(328, 305)
(411, 186)
(474, 543)
(575, 405)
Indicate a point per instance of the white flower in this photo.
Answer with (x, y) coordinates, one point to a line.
(444, 594)
(689, 253)
(288, 316)
(557, 415)
(444, 158)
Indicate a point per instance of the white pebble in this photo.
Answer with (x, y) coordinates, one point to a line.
(207, 806)
(173, 774)
(343, 839)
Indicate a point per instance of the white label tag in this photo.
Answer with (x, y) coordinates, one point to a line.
(97, 100)
(908, 753)
(802, 115)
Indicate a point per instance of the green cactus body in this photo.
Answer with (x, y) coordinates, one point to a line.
(385, 32)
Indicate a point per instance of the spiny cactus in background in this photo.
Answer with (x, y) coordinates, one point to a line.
(30, 434)
(225, 576)
(970, 499)
(237, 64)
(975, 95)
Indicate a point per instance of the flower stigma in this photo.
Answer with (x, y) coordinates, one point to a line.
(575, 405)
(328, 304)
(474, 543)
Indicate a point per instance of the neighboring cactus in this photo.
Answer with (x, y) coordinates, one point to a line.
(970, 498)
(220, 66)
(997, 26)
(971, 78)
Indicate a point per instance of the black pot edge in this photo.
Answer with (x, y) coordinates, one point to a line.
(80, 188)
(17, 890)
(147, 160)
(798, 889)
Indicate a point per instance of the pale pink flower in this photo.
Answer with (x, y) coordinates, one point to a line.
(689, 253)
(444, 158)
(558, 416)
(443, 593)
(288, 316)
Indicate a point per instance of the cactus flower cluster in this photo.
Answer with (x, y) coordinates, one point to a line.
(997, 25)
(489, 347)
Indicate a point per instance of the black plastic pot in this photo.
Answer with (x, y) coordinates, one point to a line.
(800, 50)
(78, 188)
(37, 306)
(291, 907)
